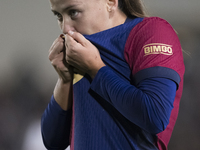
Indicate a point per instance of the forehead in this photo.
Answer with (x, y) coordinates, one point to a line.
(55, 4)
(58, 2)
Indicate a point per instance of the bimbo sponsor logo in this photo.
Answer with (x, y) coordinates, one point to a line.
(157, 48)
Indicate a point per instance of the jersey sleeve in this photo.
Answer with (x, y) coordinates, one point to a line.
(55, 126)
(148, 105)
(154, 55)
(153, 50)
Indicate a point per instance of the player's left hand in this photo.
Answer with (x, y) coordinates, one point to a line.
(82, 54)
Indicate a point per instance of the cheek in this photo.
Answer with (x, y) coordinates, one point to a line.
(60, 25)
(96, 23)
(100, 19)
(92, 22)
(84, 26)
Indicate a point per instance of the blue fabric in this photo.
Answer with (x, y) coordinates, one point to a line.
(148, 105)
(157, 71)
(110, 44)
(112, 112)
(55, 126)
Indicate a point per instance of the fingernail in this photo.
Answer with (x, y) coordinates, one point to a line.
(70, 32)
(62, 36)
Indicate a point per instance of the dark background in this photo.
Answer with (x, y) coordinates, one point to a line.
(27, 79)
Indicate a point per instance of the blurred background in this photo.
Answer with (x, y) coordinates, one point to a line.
(27, 79)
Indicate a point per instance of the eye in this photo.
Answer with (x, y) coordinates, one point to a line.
(58, 16)
(73, 14)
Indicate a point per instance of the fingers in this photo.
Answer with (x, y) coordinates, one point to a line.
(58, 41)
(79, 38)
(74, 43)
(56, 48)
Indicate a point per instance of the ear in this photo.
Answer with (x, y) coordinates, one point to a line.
(112, 5)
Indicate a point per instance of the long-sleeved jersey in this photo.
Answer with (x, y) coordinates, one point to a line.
(132, 103)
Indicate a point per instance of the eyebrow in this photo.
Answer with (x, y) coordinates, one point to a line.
(54, 11)
(65, 9)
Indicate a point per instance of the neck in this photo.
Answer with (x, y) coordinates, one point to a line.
(117, 17)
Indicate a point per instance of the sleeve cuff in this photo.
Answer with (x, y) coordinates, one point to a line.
(57, 107)
(98, 78)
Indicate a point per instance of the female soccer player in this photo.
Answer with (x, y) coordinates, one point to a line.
(120, 78)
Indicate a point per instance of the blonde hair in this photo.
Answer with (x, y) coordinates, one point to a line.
(132, 8)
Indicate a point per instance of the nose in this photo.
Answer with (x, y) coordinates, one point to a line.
(66, 26)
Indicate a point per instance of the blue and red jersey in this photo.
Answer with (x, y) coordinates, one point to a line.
(133, 102)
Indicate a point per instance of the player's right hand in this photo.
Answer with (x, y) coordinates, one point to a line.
(57, 58)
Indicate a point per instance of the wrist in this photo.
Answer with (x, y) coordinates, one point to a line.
(64, 82)
(63, 94)
(93, 72)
